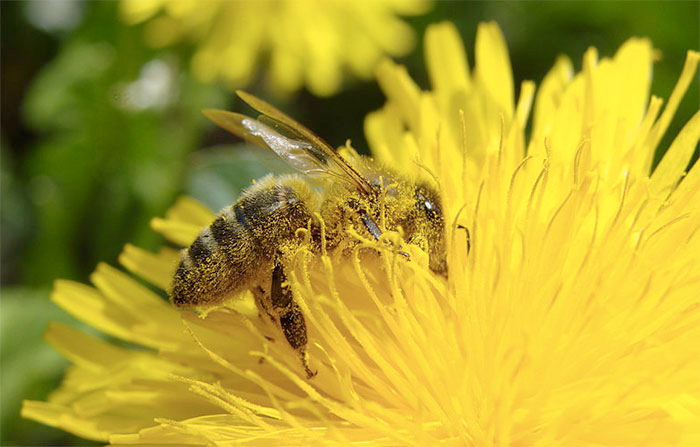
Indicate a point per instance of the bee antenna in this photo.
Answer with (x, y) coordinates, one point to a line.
(457, 226)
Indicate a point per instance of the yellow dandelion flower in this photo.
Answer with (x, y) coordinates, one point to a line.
(311, 43)
(571, 315)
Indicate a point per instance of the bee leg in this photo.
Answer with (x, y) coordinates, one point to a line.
(291, 318)
(367, 221)
(370, 224)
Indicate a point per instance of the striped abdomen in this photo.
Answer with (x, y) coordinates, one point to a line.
(236, 250)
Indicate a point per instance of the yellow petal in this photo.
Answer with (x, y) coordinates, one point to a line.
(399, 87)
(446, 60)
(493, 67)
(188, 210)
(672, 167)
(633, 61)
(82, 349)
(136, 11)
(156, 268)
(689, 68)
(549, 98)
(177, 231)
(61, 416)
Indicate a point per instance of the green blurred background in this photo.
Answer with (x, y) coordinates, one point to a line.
(92, 147)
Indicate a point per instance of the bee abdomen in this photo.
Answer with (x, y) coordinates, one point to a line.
(207, 269)
(223, 230)
(237, 248)
(202, 248)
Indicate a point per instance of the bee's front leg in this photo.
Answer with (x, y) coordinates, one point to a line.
(291, 319)
(367, 220)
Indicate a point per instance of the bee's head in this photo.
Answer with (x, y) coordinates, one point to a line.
(416, 208)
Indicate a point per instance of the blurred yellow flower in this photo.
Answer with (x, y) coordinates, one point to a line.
(573, 320)
(311, 43)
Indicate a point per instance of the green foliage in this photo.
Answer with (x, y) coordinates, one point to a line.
(103, 167)
(14, 214)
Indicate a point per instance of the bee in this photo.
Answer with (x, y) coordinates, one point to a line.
(245, 247)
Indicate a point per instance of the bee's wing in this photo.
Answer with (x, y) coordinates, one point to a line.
(290, 140)
(300, 154)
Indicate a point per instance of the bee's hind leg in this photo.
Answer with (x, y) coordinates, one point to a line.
(291, 319)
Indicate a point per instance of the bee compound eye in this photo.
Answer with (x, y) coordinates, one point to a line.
(430, 209)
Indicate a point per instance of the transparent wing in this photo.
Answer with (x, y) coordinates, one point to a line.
(296, 144)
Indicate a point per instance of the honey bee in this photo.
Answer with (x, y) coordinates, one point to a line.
(245, 247)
